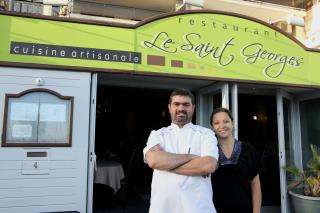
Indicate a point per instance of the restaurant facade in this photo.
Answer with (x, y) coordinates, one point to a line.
(58, 78)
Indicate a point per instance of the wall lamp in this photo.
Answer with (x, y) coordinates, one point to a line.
(197, 3)
(290, 19)
(47, 5)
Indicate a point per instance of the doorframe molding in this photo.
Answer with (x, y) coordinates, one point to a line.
(92, 129)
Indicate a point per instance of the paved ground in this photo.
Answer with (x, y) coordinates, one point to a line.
(136, 203)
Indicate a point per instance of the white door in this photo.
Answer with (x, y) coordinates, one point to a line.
(298, 125)
(209, 98)
(45, 178)
(92, 154)
(288, 139)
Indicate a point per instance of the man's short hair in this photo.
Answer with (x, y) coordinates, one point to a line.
(182, 92)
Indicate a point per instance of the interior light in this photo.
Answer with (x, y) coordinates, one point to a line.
(255, 117)
(163, 113)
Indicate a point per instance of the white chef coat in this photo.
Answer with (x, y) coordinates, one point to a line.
(174, 193)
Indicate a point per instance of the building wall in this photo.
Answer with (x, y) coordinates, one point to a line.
(59, 181)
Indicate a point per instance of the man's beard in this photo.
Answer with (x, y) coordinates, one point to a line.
(181, 120)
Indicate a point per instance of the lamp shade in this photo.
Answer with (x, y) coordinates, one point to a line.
(295, 20)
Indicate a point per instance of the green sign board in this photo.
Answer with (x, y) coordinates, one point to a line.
(200, 45)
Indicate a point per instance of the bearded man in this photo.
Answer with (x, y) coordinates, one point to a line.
(182, 156)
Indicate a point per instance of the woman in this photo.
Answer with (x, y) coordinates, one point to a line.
(236, 183)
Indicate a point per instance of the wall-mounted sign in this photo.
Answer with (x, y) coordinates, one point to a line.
(197, 44)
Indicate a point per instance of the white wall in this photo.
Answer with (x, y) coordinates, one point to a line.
(60, 183)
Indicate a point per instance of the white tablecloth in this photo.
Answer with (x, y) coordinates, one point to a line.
(109, 173)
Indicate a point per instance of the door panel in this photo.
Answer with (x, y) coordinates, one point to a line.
(92, 154)
(209, 98)
(298, 116)
(310, 126)
(60, 184)
(285, 135)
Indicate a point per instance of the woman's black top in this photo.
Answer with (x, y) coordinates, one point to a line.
(231, 182)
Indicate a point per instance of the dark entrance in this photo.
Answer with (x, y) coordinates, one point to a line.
(125, 117)
(258, 126)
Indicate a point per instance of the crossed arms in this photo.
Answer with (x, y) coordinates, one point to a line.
(183, 164)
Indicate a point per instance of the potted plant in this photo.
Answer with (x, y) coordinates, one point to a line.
(305, 190)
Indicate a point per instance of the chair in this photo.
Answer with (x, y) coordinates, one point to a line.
(122, 194)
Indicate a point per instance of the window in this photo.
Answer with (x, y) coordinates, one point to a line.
(37, 117)
(310, 127)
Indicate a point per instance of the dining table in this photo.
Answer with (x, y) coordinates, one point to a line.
(109, 173)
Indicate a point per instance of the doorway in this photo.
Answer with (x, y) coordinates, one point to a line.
(257, 125)
(128, 107)
(255, 109)
(138, 104)
(124, 119)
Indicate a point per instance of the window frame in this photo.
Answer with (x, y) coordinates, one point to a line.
(18, 95)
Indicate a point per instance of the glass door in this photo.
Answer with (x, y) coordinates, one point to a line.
(288, 134)
(309, 112)
(209, 98)
(298, 127)
(309, 108)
